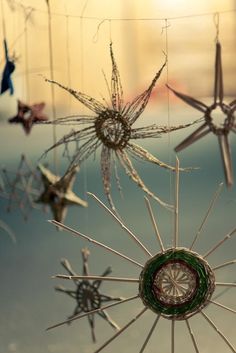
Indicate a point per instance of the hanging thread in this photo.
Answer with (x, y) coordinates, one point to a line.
(103, 20)
(3, 21)
(128, 19)
(68, 60)
(82, 87)
(27, 83)
(27, 86)
(165, 31)
(165, 28)
(216, 19)
(52, 86)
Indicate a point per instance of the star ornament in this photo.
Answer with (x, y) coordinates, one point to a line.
(220, 130)
(27, 115)
(6, 83)
(87, 294)
(112, 129)
(20, 187)
(175, 283)
(58, 192)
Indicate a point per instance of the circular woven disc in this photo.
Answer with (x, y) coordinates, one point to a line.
(87, 296)
(177, 283)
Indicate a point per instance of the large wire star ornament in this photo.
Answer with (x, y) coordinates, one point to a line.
(57, 193)
(176, 283)
(210, 126)
(87, 294)
(112, 129)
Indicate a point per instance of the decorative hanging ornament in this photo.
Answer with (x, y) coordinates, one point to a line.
(87, 294)
(222, 130)
(112, 129)
(9, 68)
(58, 192)
(20, 187)
(27, 115)
(176, 283)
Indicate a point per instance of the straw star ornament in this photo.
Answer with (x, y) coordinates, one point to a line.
(20, 187)
(112, 129)
(58, 192)
(27, 115)
(174, 283)
(87, 294)
(222, 130)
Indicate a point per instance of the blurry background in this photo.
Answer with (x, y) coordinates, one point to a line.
(81, 33)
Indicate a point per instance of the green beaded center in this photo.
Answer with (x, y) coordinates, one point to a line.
(176, 283)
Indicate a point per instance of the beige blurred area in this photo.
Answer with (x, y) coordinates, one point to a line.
(140, 31)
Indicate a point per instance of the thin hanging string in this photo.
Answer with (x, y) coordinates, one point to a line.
(3, 21)
(165, 29)
(27, 12)
(85, 174)
(103, 20)
(96, 35)
(27, 83)
(21, 46)
(21, 34)
(110, 31)
(216, 19)
(82, 43)
(52, 86)
(19, 3)
(68, 60)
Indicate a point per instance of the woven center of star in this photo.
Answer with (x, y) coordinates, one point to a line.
(175, 283)
(112, 129)
(220, 118)
(88, 297)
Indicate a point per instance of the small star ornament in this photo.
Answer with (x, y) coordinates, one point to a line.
(58, 192)
(20, 187)
(222, 130)
(27, 115)
(87, 294)
(9, 67)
